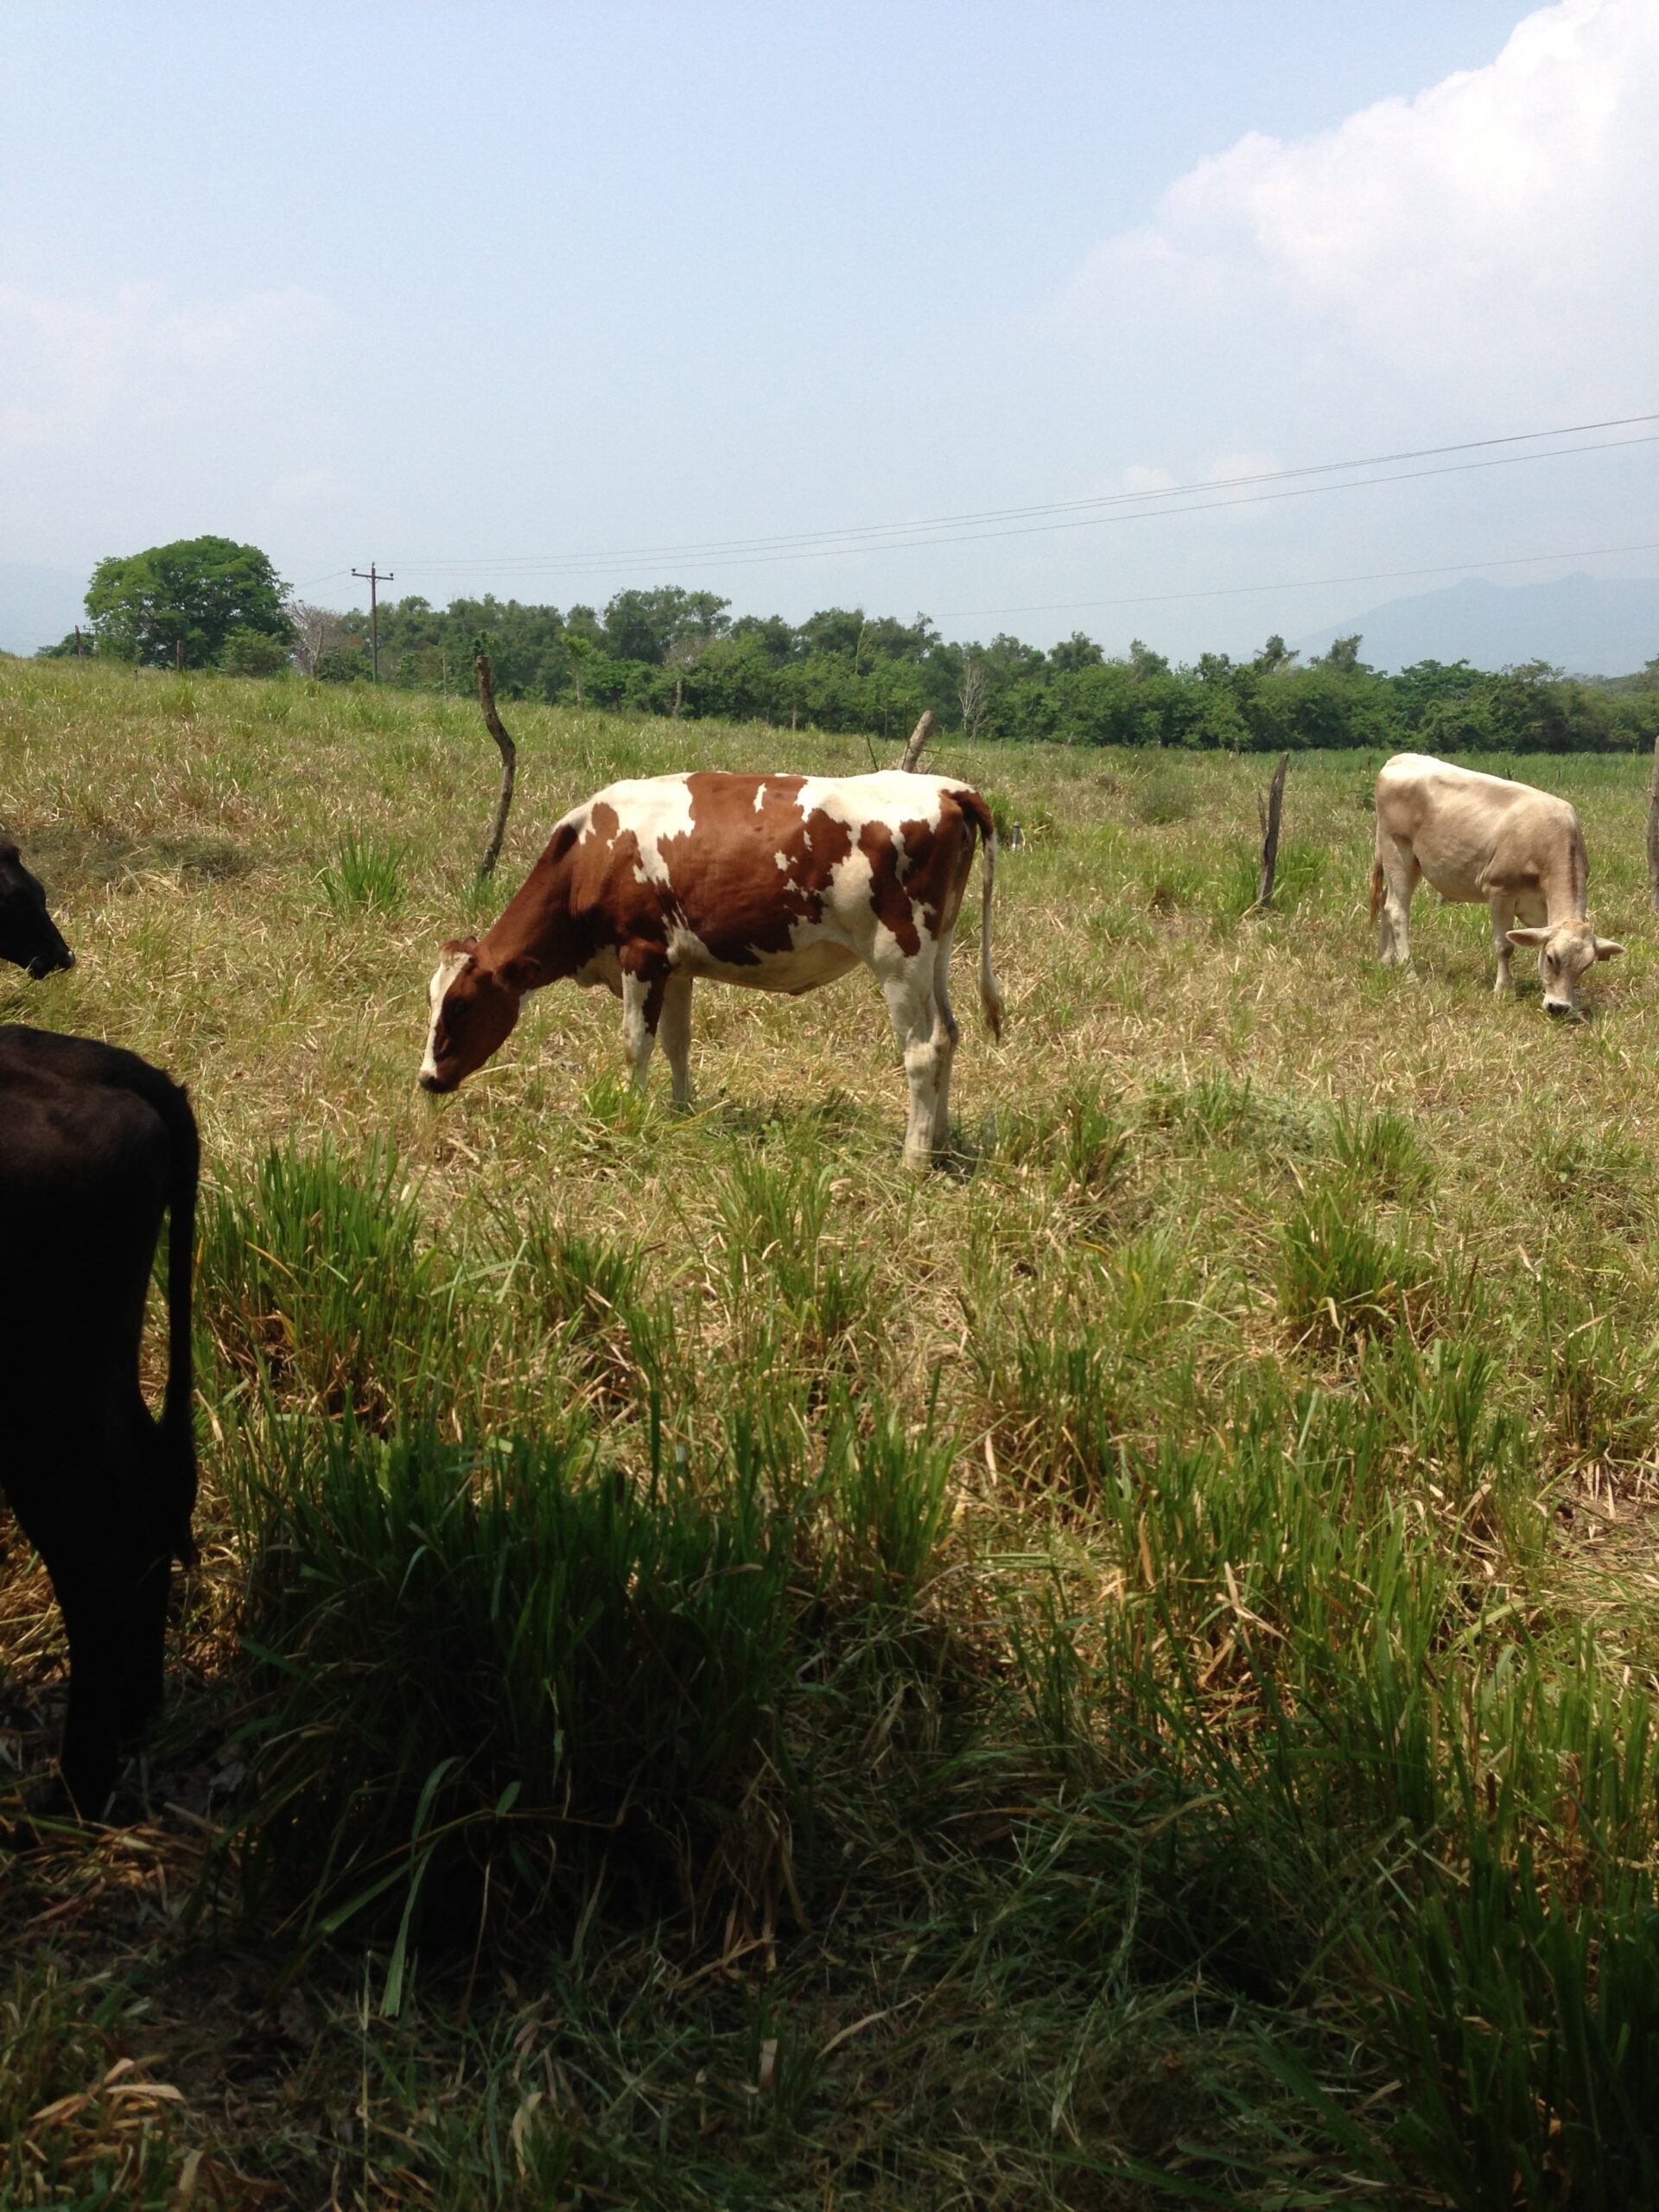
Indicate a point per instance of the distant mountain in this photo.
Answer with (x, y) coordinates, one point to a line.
(1590, 625)
(38, 606)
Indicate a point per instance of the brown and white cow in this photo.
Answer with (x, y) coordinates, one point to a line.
(1482, 839)
(780, 883)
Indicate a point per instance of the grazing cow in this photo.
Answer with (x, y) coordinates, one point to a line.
(95, 1145)
(1478, 838)
(28, 937)
(782, 883)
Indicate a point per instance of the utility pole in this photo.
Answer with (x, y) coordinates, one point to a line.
(374, 577)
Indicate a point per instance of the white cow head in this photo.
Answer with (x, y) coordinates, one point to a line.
(1567, 953)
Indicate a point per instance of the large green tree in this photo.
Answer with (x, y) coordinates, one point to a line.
(180, 604)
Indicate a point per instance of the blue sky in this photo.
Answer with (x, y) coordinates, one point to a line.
(485, 293)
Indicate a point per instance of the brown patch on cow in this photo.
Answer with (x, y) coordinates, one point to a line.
(583, 897)
(938, 861)
(724, 880)
(887, 894)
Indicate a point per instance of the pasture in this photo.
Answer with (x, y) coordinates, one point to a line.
(724, 1674)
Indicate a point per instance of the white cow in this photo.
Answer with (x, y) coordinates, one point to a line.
(1482, 839)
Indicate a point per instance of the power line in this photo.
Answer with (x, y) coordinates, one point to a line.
(1095, 522)
(813, 544)
(1301, 583)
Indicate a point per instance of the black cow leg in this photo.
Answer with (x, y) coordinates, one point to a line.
(97, 1606)
(146, 1644)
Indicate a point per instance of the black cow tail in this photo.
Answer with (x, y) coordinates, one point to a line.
(177, 1440)
(178, 1411)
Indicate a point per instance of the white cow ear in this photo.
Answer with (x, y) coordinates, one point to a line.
(1527, 936)
(1606, 949)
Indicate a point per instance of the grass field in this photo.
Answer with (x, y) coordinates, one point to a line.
(725, 1675)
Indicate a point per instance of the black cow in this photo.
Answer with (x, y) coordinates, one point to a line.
(28, 936)
(95, 1146)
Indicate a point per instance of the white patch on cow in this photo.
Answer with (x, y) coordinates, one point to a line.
(603, 968)
(782, 859)
(655, 808)
(760, 797)
(889, 797)
(437, 991)
(688, 954)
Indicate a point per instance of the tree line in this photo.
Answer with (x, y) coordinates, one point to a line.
(207, 602)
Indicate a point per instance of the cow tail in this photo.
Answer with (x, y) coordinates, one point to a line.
(177, 1437)
(990, 995)
(178, 1411)
(1376, 886)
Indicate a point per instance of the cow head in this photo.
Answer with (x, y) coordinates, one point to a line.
(28, 936)
(474, 1005)
(1567, 953)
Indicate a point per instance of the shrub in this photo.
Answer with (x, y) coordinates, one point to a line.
(505, 1667)
(1340, 1281)
(254, 652)
(365, 874)
(1163, 799)
(315, 1290)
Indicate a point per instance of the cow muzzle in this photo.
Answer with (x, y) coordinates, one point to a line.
(436, 1084)
(1558, 1008)
(48, 963)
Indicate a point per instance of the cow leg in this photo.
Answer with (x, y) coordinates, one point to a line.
(1502, 910)
(945, 1034)
(675, 1029)
(151, 1553)
(908, 991)
(145, 1669)
(96, 1600)
(642, 1009)
(1400, 874)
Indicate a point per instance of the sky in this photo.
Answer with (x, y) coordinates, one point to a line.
(551, 299)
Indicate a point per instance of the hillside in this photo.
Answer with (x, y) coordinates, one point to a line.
(37, 606)
(1590, 625)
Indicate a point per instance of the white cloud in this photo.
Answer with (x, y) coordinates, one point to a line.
(1485, 248)
(69, 368)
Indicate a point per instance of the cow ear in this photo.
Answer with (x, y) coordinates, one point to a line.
(1606, 949)
(1528, 937)
(520, 973)
(455, 947)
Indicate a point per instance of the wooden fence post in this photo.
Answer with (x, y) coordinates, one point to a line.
(509, 752)
(1269, 816)
(1653, 832)
(919, 738)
